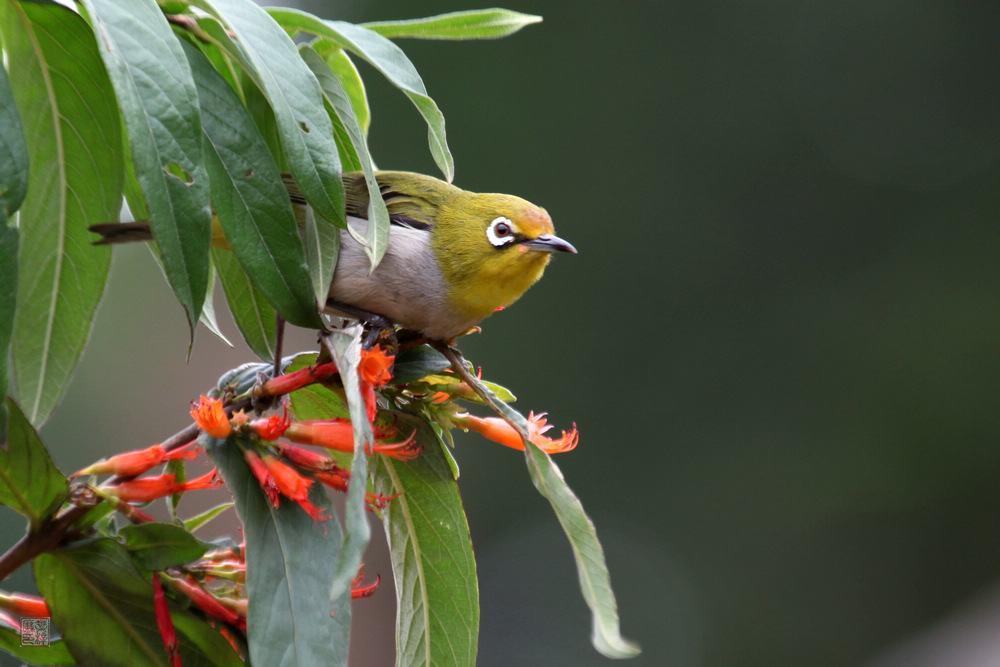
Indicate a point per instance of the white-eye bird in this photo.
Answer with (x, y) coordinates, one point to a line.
(453, 257)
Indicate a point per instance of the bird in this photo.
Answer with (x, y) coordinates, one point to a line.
(453, 257)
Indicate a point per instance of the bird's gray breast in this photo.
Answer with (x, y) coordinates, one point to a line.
(406, 286)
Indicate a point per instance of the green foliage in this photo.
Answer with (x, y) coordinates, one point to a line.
(288, 571)
(29, 482)
(104, 608)
(73, 135)
(437, 596)
(214, 105)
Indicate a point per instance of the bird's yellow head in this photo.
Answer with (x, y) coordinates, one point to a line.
(491, 248)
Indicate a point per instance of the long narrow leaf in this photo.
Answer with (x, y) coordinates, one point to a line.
(74, 141)
(159, 105)
(342, 65)
(387, 58)
(595, 582)
(8, 304)
(13, 186)
(294, 95)
(347, 348)
(437, 594)
(254, 316)
(289, 560)
(250, 199)
(14, 148)
(377, 235)
(473, 24)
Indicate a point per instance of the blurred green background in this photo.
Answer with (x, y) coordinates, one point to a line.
(779, 339)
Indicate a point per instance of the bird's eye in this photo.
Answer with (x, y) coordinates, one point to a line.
(500, 232)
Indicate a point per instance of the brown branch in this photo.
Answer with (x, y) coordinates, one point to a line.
(51, 533)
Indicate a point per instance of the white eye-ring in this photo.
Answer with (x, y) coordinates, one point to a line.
(500, 232)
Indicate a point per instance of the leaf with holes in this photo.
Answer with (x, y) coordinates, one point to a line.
(387, 58)
(294, 95)
(159, 106)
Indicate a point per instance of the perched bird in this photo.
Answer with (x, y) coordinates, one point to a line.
(453, 257)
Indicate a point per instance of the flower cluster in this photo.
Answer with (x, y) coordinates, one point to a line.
(278, 467)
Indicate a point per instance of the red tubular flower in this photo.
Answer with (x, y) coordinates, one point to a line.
(272, 427)
(164, 623)
(286, 384)
(294, 485)
(498, 430)
(208, 603)
(264, 478)
(27, 606)
(151, 488)
(309, 459)
(130, 464)
(210, 417)
(339, 480)
(358, 591)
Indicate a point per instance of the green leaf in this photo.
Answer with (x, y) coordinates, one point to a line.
(29, 482)
(388, 59)
(208, 311)
(417, 363)
(13, 186)
(322, 247)
(159, 105)
(592, 569)
(474, 24)
(199, 520)
(342, 65)
(74, 143)
(8, 306)
(437, 595)
(157, 546)
(14, 166)
(377, 235)
(250, 199)
(289, 571)
(53, 653)
(314, 401)
(104, 608)
(294, 95)
(346, 346)
(254, 316)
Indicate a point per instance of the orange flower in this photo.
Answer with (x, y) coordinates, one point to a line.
(211, 417)
(28, 606)
(164, 623)
(294, 485)
(272, 427)
(338, 434)
(130, 464)
(374, 366)
(151, 488)
(498, 430)
(263, 476)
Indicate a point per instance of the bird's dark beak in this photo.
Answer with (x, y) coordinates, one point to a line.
(549, 243)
